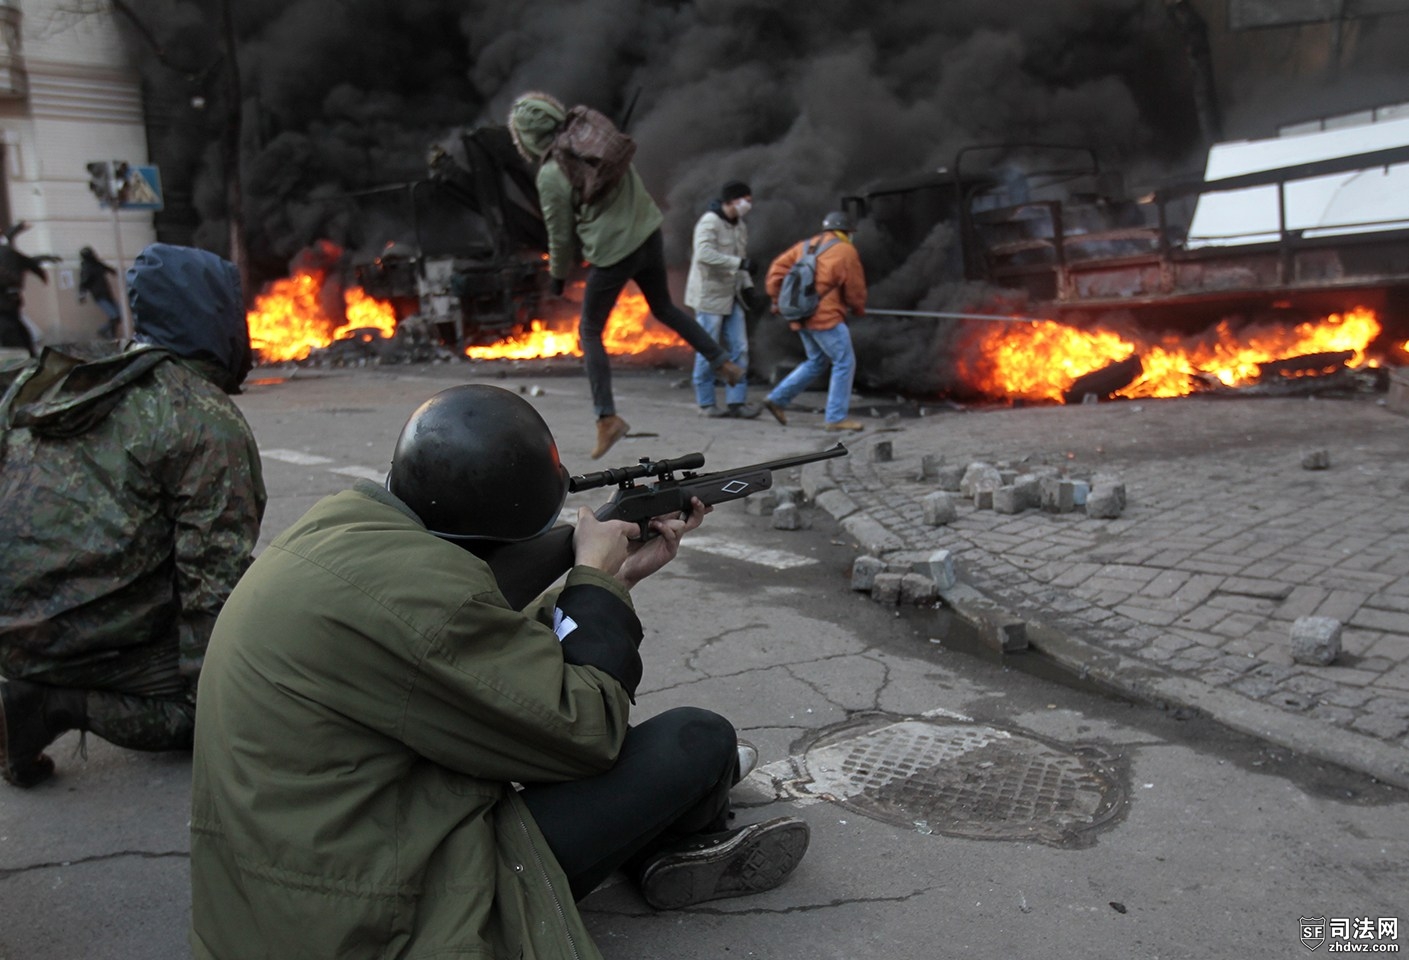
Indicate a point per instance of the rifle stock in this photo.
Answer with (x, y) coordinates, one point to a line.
(527, 568)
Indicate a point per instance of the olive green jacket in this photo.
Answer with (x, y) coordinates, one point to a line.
(369, 699)
(609, 230)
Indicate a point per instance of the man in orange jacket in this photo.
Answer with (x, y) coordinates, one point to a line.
(841, 286)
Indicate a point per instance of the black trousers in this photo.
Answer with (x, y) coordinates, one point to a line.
(671, 780)
(13, 332)
(646, 266)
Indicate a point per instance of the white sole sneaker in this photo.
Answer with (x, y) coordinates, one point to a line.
(748, 859)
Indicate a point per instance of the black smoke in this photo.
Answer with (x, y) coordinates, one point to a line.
(807, 102)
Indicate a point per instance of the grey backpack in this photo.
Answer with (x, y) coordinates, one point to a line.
(798, 298)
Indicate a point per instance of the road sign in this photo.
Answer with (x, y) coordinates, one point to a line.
(143, 191)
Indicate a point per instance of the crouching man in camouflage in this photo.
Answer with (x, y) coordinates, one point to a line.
(130, 500)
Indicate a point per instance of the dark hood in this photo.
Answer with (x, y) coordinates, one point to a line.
(189, 302)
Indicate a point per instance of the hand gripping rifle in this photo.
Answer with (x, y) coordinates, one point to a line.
(527, 568)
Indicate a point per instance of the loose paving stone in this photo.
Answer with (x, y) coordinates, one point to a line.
(1316, 640)
(939, 509)
(885, 589)
(1316, 460)
(787, 516)
(864, 571)
(1223, 571)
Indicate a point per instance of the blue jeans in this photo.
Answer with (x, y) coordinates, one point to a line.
(732, 334)
(824, 348)
(646, 267)
(110, 310)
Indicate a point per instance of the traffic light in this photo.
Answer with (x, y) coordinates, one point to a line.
(99, 180)
(120, 183)
(110, 181)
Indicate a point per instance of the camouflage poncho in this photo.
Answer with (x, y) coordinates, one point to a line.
(130, 500)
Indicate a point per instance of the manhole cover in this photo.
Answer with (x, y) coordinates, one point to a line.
(961, 778)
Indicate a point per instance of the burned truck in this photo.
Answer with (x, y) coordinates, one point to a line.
(1297, 226)
(475, 268)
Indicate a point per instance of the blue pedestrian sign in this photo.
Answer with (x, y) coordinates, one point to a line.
(143, 190)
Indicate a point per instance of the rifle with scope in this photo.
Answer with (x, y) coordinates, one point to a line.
(527, 568)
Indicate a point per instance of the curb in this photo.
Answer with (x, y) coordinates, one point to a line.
(1135, 679)
(1147, 683)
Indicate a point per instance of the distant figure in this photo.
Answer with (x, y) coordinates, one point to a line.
(619, 236)
(93, 281)
(130, 501)
(719, 281)
(14, 334)
(841, 286)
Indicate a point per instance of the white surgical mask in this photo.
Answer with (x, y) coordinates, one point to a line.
(741, 207)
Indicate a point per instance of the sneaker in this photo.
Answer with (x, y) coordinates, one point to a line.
(714, 413)
(748, 759)
(748, 859)
(778, 412)
(844, 425)
(32, 716)
(744, 411)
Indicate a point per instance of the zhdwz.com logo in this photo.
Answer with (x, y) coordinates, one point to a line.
(1351, 934)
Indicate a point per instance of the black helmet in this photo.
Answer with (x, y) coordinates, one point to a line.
(837, 220)
(477, 462)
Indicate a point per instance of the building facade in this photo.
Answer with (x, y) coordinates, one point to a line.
(69, 95)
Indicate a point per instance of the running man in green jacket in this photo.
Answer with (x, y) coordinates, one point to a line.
(621, 241)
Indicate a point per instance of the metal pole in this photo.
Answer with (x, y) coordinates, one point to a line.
(127, 326)
(935, 315)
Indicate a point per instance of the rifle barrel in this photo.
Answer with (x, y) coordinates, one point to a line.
(839, 450)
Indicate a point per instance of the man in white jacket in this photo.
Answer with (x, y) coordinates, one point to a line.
(718, 283)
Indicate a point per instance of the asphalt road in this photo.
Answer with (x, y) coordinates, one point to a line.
(1202, 843)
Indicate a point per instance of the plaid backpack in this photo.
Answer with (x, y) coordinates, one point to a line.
(592, 152)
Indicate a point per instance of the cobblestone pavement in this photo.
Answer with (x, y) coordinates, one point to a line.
(1187, 598)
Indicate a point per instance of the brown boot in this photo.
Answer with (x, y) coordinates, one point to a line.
(32, 715)
(731, 373)
(610, 429)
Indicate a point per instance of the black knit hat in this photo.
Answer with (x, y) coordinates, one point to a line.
(733, 190)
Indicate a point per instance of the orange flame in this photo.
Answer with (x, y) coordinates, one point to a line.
(1041, 360)
(536, 342)
(288, 320)
(630, 330)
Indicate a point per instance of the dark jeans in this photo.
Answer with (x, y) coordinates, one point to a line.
(13, 332)
(671, 780)
(646, 266)
(109, 330)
